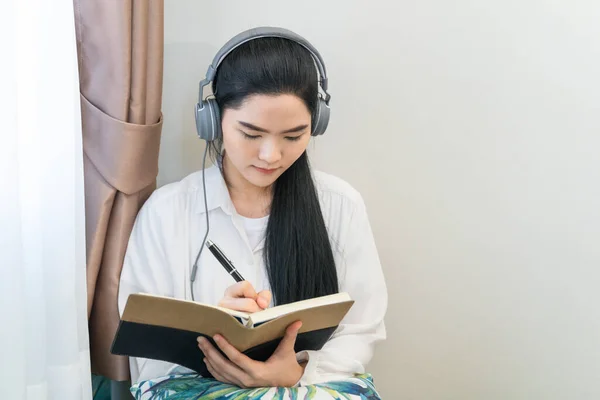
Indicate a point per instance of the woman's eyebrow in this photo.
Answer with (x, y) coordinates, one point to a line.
(259, 129)
(296, 129)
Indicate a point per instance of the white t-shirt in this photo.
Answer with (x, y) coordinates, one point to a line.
(255, 230)
(168, 233)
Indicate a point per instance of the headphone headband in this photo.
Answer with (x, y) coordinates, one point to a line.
(260, 32)
(208, 119)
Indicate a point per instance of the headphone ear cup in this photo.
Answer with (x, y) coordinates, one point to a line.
(321, 119)
(208, 120)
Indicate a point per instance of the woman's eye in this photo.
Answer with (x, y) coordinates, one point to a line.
(250, 137)
(293, 138)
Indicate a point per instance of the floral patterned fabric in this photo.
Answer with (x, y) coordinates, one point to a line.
(194, 387)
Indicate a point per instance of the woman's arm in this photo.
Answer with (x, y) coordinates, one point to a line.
(351, 347)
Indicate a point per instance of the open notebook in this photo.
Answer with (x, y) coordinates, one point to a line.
(164, 328)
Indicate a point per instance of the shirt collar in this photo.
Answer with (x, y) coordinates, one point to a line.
(217, 194)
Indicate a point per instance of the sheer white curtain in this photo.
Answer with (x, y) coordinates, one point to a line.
(44, 351)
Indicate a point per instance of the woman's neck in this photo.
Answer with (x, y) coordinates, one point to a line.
(249, 200)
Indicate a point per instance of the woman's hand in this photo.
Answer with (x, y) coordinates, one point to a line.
(281, 369)
(242, 297)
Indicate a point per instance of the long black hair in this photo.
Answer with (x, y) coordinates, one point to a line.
(298, 253)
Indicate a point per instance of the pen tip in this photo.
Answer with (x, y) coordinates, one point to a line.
(209, 243)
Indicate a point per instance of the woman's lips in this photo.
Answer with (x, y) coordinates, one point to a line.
(266, 171)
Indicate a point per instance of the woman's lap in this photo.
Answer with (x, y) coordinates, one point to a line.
(180, 387)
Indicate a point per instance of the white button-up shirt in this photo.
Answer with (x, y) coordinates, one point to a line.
(168, 233)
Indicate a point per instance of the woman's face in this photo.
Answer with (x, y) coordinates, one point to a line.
(264, 137)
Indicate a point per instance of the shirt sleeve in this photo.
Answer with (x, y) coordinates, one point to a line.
(351, 347)
(145, 270)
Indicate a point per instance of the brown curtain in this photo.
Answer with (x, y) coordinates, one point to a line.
(120, 46)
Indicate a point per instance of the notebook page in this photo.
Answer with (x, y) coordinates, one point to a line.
(272, 313)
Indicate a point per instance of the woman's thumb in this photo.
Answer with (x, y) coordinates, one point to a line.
(289, 340)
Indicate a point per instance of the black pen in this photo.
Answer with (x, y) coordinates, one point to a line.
(224, 261)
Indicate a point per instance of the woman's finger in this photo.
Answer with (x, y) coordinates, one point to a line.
(241, 360)
(215, 373)
(263, 299)
(240, 304)
(226, 368)
(241, 289)
(223, 366)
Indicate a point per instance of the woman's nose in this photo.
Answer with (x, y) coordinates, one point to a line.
(270, 152)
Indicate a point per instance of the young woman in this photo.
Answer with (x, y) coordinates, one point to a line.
(292, 233)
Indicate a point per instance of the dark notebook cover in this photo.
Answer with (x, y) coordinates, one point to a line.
(181, 347)
(167, 329)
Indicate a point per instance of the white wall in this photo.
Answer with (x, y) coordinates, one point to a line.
(472, 130)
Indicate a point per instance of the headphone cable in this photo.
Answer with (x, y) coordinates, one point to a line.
(195, 265)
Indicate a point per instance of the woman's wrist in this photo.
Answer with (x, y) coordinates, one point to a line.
(299, 373)
(292, 378)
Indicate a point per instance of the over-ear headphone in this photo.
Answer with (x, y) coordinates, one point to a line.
(208, 115)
